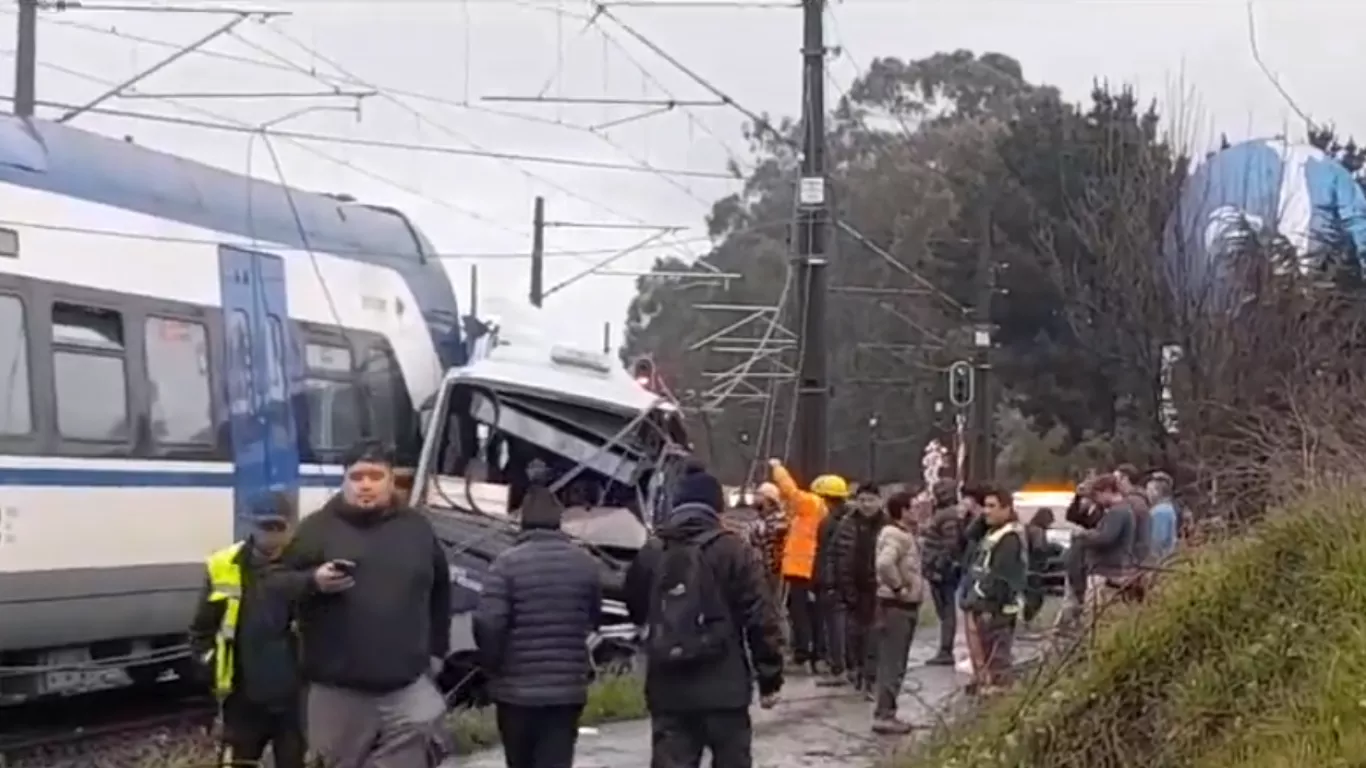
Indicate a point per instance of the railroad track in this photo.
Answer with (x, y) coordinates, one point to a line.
(107, 730)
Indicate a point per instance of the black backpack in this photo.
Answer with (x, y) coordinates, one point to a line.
(689, 619)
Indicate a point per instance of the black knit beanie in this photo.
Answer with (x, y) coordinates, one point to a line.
(697, 486)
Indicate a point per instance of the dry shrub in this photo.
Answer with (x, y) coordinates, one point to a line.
(1271, 384)
(1251, 654)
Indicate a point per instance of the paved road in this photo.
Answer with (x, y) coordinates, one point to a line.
(811, 728)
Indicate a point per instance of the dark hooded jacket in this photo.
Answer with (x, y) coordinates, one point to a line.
(943, 542)
(853, 553)
(541, 600)
(824, 570)
(755, 654)
(379, 635)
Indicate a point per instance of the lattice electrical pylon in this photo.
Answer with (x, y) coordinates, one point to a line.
(761, 342)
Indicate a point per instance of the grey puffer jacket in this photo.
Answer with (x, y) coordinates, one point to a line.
(541, 600)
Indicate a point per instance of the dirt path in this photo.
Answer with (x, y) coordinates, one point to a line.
(811, 728)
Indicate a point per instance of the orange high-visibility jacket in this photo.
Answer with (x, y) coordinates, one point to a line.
(805, 511)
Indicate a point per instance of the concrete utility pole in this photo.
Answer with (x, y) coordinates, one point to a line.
(26, 59)
(981, 466)
(538, 253)
(813, 229)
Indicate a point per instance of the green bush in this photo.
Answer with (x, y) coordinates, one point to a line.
(1251, 654)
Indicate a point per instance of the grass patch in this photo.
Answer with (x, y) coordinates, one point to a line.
(611, 699)
(1252, 654)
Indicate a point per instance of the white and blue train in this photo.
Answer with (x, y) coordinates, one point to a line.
(176, 342)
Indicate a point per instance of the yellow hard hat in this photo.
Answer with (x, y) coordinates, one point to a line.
(832, 486)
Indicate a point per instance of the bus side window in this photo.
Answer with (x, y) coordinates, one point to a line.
(90, 373)
(16, 409)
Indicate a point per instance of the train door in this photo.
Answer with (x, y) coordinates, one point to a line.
(259, 369)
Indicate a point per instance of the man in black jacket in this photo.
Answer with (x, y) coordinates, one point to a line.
(374, 600)
(540, 604)
(242, 633)
(942, 559)
(854, 549)
(703, 660)
(831, 619)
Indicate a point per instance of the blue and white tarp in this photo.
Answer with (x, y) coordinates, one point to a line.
(1262, 188)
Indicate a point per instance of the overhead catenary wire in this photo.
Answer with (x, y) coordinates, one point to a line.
(247, 128)
(1271, 77)
(322, 138)
(158, 238)
(283, 64)
(513, 162)
(280, 63)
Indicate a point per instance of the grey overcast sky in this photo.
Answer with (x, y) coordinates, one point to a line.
(443, 54)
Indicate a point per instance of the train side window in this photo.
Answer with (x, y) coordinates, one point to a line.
(334, 418)
(240, 373)
(390, 409)
(16, 411)
(90, 373)
(178, 375)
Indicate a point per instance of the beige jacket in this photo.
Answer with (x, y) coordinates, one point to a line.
(898, 565)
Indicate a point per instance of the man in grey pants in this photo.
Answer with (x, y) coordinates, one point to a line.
(373, 592)
(900, 590)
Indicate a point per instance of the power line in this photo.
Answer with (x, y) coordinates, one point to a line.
(645, 166)
(280, 63)
(323, 138)
(450, 131)
(1271, 76)
(354, 167)
(468, 255)
(736, 163)
(759, 121)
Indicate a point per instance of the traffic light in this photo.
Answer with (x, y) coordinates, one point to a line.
(960, 384)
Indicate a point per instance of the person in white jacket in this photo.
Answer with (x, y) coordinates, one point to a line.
(900, 590)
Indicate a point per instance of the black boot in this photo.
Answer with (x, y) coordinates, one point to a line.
(942, 659)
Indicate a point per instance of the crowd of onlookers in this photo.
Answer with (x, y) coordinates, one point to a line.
(851, 566)
(331, 632)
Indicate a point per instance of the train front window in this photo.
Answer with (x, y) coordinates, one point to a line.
(388, 404)
(334, 417)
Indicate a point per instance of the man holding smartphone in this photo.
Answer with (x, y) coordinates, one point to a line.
(373, 590)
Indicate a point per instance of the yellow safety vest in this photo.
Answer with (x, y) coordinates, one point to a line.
(983, 566)
(225, 586)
